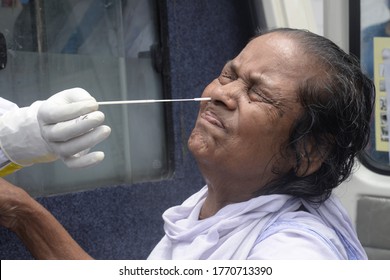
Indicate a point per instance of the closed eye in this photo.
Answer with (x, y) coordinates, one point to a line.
(226, 77)
(257, 95)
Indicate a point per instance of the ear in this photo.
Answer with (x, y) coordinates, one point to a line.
(311, 157)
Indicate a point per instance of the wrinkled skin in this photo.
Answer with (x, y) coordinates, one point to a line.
(239, 135)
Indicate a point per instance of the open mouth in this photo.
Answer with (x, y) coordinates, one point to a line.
(212, 118)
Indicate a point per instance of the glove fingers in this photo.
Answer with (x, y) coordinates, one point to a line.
(72, 95)
(82, 153)
(64, 112)
(67, 105)
(63, 131)
(84, 160)
(83, 142)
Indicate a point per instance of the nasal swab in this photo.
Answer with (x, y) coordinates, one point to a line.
(152, 101)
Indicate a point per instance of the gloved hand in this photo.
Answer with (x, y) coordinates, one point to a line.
(64, 126)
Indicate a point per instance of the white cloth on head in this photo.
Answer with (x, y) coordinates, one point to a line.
(239, 230)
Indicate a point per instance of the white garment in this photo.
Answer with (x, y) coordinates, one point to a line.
(5, 106)
(265, 227)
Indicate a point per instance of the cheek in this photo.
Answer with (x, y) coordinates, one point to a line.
(263, 137)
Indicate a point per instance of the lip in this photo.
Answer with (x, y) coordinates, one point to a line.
(212, 118)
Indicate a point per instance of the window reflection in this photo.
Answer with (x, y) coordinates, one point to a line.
(104, 47)
(375, 33)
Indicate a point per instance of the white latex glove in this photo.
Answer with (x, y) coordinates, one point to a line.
(64, 126)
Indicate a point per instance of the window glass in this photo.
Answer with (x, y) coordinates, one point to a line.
(304, 14)
(104, 47)
(375, 61)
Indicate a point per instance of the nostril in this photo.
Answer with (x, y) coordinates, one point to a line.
(225, 100)
(218, 102)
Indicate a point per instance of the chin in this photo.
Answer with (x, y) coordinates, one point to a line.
(198, 143)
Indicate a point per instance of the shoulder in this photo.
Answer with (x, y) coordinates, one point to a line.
(298, 235)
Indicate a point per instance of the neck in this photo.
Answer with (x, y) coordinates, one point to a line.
(219, 196)
(226, 187)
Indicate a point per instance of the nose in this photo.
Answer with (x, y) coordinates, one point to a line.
(224, 95)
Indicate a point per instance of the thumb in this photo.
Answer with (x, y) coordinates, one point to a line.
(66, 105)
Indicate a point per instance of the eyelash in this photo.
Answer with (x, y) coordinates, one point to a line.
(263, 98)
(227, 76)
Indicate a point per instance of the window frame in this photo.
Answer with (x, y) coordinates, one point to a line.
(159, 63)
(354, 49)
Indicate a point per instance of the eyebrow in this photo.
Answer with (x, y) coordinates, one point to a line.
(229, 64)
(255, 78)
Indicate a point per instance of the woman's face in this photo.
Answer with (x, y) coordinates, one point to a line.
(240, 133)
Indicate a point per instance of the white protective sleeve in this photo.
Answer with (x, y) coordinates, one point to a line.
(20, 137)
(64, 126)
(5, 106)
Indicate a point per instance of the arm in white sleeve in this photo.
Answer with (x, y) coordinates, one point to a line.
(65, 126)
(6, 166)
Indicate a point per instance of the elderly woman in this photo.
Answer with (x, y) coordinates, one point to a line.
(286, 119)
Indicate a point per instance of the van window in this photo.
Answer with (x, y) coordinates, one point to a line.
(375, 61)
(104, 47)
